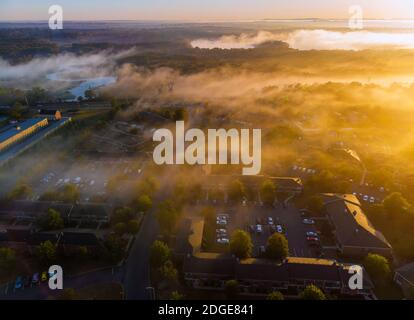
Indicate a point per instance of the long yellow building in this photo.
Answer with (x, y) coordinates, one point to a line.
(20, 131)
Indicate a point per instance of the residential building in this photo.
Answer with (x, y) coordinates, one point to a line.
(404, 277)
(354, 233)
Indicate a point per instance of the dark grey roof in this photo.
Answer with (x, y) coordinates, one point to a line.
(351, 224)
(259, 269)
(37, 238)
(222, 266)
(79, 239)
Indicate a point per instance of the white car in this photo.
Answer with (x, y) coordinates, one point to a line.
(270, 220)
(308, 221)
(279, 228)
(372, 200)
(259, 228)
(311, 234)
(223, 241)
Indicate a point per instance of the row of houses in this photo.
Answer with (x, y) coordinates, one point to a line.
(31, 210)
(28, 240)
(210, 271)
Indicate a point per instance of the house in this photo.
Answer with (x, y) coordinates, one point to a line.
(404, 277)
(210, 271)
(71, 242)
(355, 235)
(14, 237)
(284, 184)
(31, 210)
(50, 114)
(67, 242)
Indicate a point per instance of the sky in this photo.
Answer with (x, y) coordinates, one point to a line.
(195, 10)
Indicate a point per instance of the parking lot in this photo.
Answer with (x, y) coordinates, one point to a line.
(90, 176)
(248, 218)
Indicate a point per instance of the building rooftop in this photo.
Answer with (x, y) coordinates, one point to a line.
(407, 272)
(22, 125)
(352, 226)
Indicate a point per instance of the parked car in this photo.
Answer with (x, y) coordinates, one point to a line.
(222, 222)
(312, 239)
(270, 220)
(259, 228)
(43, 277)
(26, 281)
(311, 234)
(372, 200)
(36, 278)
(262, 250)
(308, 221)
(279, 228)
(223, 240)
(18, 283)
(365, 198)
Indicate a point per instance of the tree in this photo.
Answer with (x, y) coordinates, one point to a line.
(236, 190)
(7, 260)
(377, 266)
(21, 191)
(147, 186)
(315, 204)
(51, 220)
(123, 214)
(216, 194)
(169, 272)
(133, 226)
(82, 253)
(143, 203)
(115, 248)
(120, 228)
(175, 295)
(232, 289)
(241, 244)
(50, 195)
(268, 192)
(277, 247)
(167, 216)
(312, 292)
(275, 295)
(70, 193)
(46, 252)
(395, 205)
(159, 254)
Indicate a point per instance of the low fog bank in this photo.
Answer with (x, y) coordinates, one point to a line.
(313, 40)
(56, 71)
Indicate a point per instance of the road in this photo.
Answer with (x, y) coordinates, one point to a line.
(136, 278)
